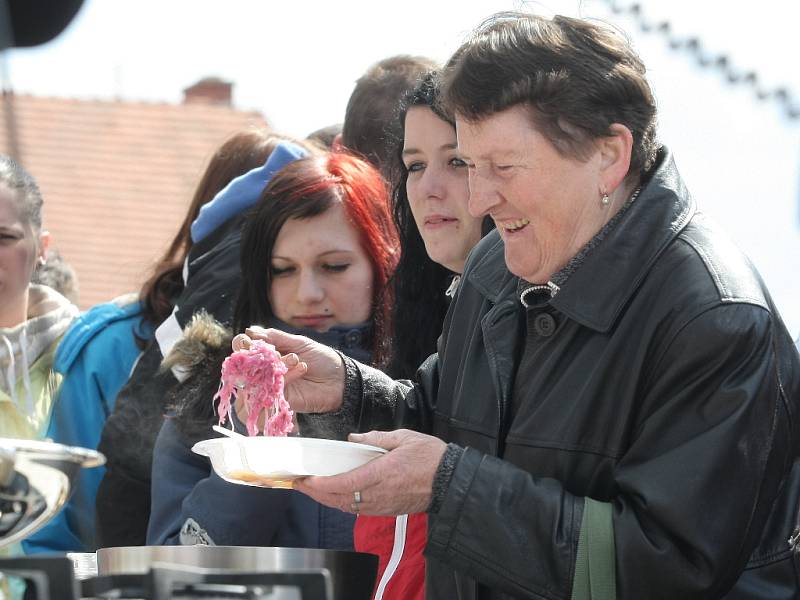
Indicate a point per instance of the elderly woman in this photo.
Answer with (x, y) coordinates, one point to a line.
(613, 410)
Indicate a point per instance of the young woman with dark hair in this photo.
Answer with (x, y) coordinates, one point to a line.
(317, 253)
(436, 230)
(436, 234)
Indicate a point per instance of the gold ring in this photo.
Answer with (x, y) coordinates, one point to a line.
(357, 497)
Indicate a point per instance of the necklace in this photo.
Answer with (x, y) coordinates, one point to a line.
(549, 288)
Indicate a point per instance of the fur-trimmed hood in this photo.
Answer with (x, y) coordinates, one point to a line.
(201, 337)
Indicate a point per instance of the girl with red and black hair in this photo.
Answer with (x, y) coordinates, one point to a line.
(317, 253)
(308, 189)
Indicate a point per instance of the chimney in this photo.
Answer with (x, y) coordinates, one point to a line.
(210, 90)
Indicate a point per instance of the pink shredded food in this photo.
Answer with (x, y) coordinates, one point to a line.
(255, 375)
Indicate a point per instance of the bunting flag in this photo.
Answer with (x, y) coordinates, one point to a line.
(693, 46)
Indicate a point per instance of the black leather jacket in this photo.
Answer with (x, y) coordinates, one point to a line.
(668, 388)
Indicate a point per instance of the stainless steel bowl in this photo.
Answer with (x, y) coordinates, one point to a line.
(35, 482)
(352, 573)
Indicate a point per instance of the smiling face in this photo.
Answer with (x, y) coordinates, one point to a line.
(437, 189)
(546, 206)
(20, 248)
(321, 275)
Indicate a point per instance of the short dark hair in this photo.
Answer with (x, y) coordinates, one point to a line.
(325, 136)
(369, 117)
(578, 77)
(25, 189)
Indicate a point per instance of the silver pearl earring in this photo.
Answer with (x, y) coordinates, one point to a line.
(605, 199)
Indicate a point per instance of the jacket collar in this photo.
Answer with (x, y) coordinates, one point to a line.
(487, 270)
(354, 341)
(595, 294)
(94, 322)
(49, 316)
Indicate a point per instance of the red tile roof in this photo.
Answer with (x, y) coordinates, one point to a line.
(117, 177)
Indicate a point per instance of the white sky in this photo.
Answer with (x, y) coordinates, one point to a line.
(297, 62)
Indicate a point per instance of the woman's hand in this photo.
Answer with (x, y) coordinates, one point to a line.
(315, 380)
(397, 483)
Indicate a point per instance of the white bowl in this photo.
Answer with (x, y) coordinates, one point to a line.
(276, 461)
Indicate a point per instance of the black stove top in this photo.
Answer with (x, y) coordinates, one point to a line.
(52, 578)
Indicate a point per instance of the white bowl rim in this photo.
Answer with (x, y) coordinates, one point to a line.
(200, 447)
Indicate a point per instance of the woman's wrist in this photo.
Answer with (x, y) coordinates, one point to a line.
(337, 424)
(444, 473)
(351, 397)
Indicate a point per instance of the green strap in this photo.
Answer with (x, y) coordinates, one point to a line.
(595, 564)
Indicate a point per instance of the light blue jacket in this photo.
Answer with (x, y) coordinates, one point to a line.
(96, 357)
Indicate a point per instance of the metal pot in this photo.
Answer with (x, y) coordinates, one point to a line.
(35, 482)
(352, 573)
